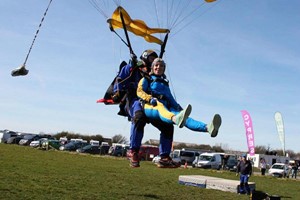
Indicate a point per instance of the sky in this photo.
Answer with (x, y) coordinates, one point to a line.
(231, 55)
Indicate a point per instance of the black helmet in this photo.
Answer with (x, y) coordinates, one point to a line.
(145, 56)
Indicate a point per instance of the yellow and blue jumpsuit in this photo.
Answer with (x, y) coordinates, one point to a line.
(158, 87)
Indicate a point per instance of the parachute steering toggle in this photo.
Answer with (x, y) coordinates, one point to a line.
(20, 71)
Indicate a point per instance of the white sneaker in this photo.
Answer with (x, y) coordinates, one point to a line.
(183, 115)
(213, 127)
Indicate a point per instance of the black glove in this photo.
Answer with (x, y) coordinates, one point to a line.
(117, 97)
(153, 102)
(140, 64)
(133, 57)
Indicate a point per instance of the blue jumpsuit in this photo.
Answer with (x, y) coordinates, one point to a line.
(130, 78)
(158, 87)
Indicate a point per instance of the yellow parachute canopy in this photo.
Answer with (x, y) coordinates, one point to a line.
(136, 26)
(209, 1)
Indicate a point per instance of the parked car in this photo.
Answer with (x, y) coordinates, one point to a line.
(278, 170)
(37, 143)
(73, 145)
(186, 156)
(51, 144)
(28, 138)
(92, 149)
(148, 152)
(7, 134)
(231, 164)
(104, 148)
(14, 139)
(95, 143)
(208, 160)
(157, 158)
(118, 150)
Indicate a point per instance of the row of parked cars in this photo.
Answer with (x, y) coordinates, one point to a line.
(27, 139)
(147, 152)
(47, 142)
(207, 160)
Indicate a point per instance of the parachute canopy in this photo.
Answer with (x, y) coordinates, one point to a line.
(167, 16)
(136, 26)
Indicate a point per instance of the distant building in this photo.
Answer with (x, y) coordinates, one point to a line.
(270, 159)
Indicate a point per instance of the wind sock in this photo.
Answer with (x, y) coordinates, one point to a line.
(280, 130)
(249, 132)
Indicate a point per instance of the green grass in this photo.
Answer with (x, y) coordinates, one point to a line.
(27, 173)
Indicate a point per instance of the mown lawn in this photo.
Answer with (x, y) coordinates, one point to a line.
(28, 173)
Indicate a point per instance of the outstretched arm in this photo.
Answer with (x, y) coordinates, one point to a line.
(141, 90)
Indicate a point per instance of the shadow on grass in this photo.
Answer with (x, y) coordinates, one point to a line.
(259, 195)
(152, 196)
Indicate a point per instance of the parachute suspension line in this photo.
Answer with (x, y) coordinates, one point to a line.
(111, 29)
(126, 33)
(156, 12)
(177, 13)
(200, 14)
(22, 70)
(170, 81)
(37, 31)
(157, 17)
(99, 5)
(178, 22)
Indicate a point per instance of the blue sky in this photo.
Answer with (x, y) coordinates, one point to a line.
(235, 55)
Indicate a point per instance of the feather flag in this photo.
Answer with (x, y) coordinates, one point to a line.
(280, 130)
(249, 132)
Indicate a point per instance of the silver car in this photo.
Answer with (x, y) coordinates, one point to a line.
(278, 170)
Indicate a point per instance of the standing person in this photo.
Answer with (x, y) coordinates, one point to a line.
(294, 170)
(127, 82)
(244, 168)
(263, 166)
(159, 103)
(224, 161)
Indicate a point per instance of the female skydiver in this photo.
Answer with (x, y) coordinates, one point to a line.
(160, 103)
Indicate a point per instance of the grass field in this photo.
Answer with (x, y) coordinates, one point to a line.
(28, 173)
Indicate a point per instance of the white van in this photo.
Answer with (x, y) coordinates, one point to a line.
(208, 160)
(95, 143)
(186, 156)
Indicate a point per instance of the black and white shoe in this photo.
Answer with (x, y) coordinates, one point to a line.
(213, 127)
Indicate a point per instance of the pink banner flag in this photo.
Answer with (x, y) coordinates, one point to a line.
(249, 132)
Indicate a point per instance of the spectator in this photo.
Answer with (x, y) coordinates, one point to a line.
(263, 166)
(244, 168)
(224, 161)
(294, 170)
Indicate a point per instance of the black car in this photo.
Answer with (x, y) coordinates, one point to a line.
(73, 146)
(89, 149)
(231, 164)
(104, 149)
